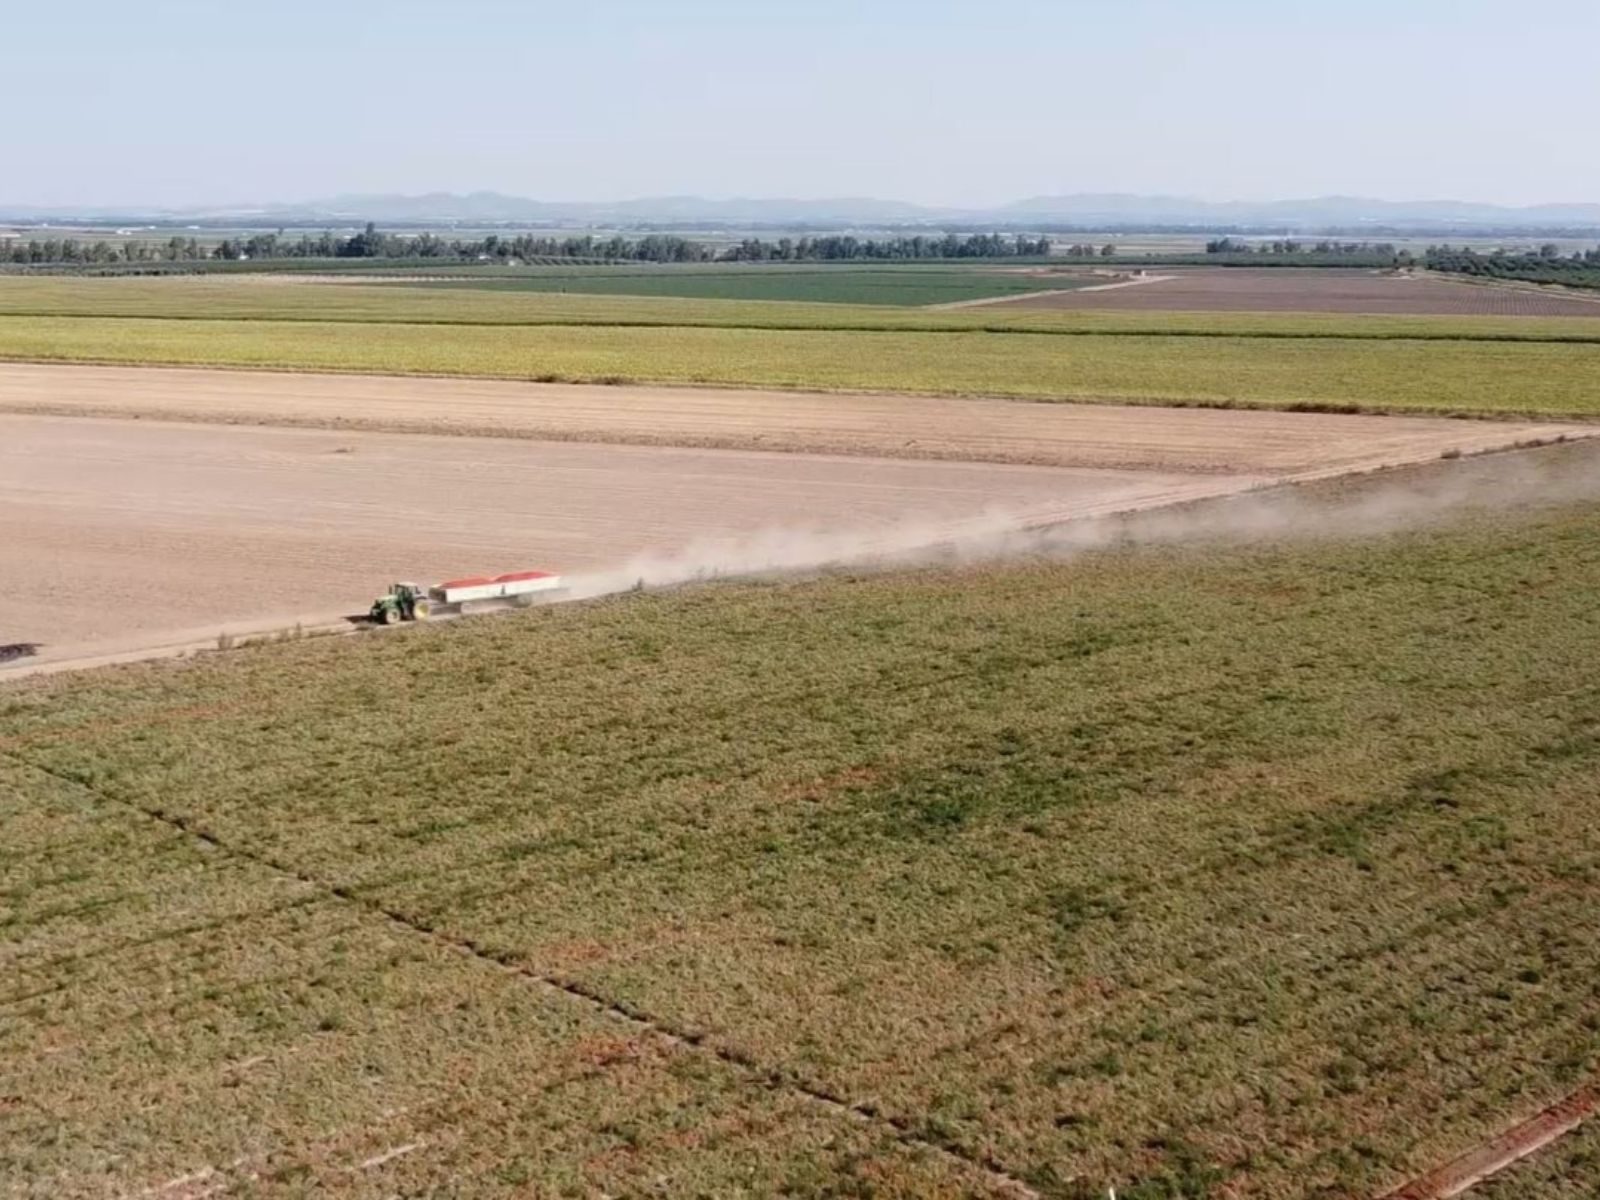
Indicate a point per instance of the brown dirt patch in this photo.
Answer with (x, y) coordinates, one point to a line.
(1313, 290)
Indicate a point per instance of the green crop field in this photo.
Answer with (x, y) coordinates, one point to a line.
(1245, 870)
(877, 285)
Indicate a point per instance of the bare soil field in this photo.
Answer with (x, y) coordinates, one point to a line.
(1312, 290)
(919, 427)
(124, 533)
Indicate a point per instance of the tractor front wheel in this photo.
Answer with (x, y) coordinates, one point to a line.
(391, 614)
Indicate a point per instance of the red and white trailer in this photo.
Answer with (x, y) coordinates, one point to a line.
(520, 587)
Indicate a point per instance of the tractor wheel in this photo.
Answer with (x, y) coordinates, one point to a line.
(391, 614)
(421, 610)
(523, 601)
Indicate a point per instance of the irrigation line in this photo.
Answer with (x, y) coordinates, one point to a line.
(1494, 1156)
(773, 1077)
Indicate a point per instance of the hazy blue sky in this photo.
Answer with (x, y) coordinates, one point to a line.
(963, 102)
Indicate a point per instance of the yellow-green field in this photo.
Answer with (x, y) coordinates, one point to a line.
(1212, 871)
(1479, 378)
(1468, 365)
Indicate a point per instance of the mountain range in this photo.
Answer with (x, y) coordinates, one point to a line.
(1094, 209)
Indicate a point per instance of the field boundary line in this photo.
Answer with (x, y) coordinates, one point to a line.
(1582, 339)
(986, 301)
(773, 1077)
(1521, 1140)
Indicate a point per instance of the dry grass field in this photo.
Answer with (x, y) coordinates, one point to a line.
(1207, 870)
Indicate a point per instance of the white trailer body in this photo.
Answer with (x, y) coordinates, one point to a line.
(500, 587)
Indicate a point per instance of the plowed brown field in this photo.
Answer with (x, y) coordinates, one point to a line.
(1313, 290)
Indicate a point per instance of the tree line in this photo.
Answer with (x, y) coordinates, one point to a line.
(1581, 268)
(833, 248)
(1231, 245)
(372, 242)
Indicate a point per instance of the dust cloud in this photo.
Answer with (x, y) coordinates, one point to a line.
(1368, 506)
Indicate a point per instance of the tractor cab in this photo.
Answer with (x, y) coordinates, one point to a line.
(403, 602)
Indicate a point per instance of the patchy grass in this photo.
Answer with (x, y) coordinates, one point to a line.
(1245, 871)
(1476, 377)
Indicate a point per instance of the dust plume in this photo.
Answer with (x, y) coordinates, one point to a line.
(1366, 506)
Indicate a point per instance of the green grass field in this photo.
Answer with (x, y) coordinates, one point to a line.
(1248, 871)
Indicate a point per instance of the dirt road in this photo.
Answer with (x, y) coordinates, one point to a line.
(1123, 437)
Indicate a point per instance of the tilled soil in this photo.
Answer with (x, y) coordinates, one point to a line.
(1313, 290)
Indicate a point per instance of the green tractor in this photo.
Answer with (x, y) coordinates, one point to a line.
(404, 602)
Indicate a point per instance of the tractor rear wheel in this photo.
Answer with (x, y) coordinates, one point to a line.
(420, 610)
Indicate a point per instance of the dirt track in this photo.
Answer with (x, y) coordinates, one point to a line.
(124, 535)
(1312, 290)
